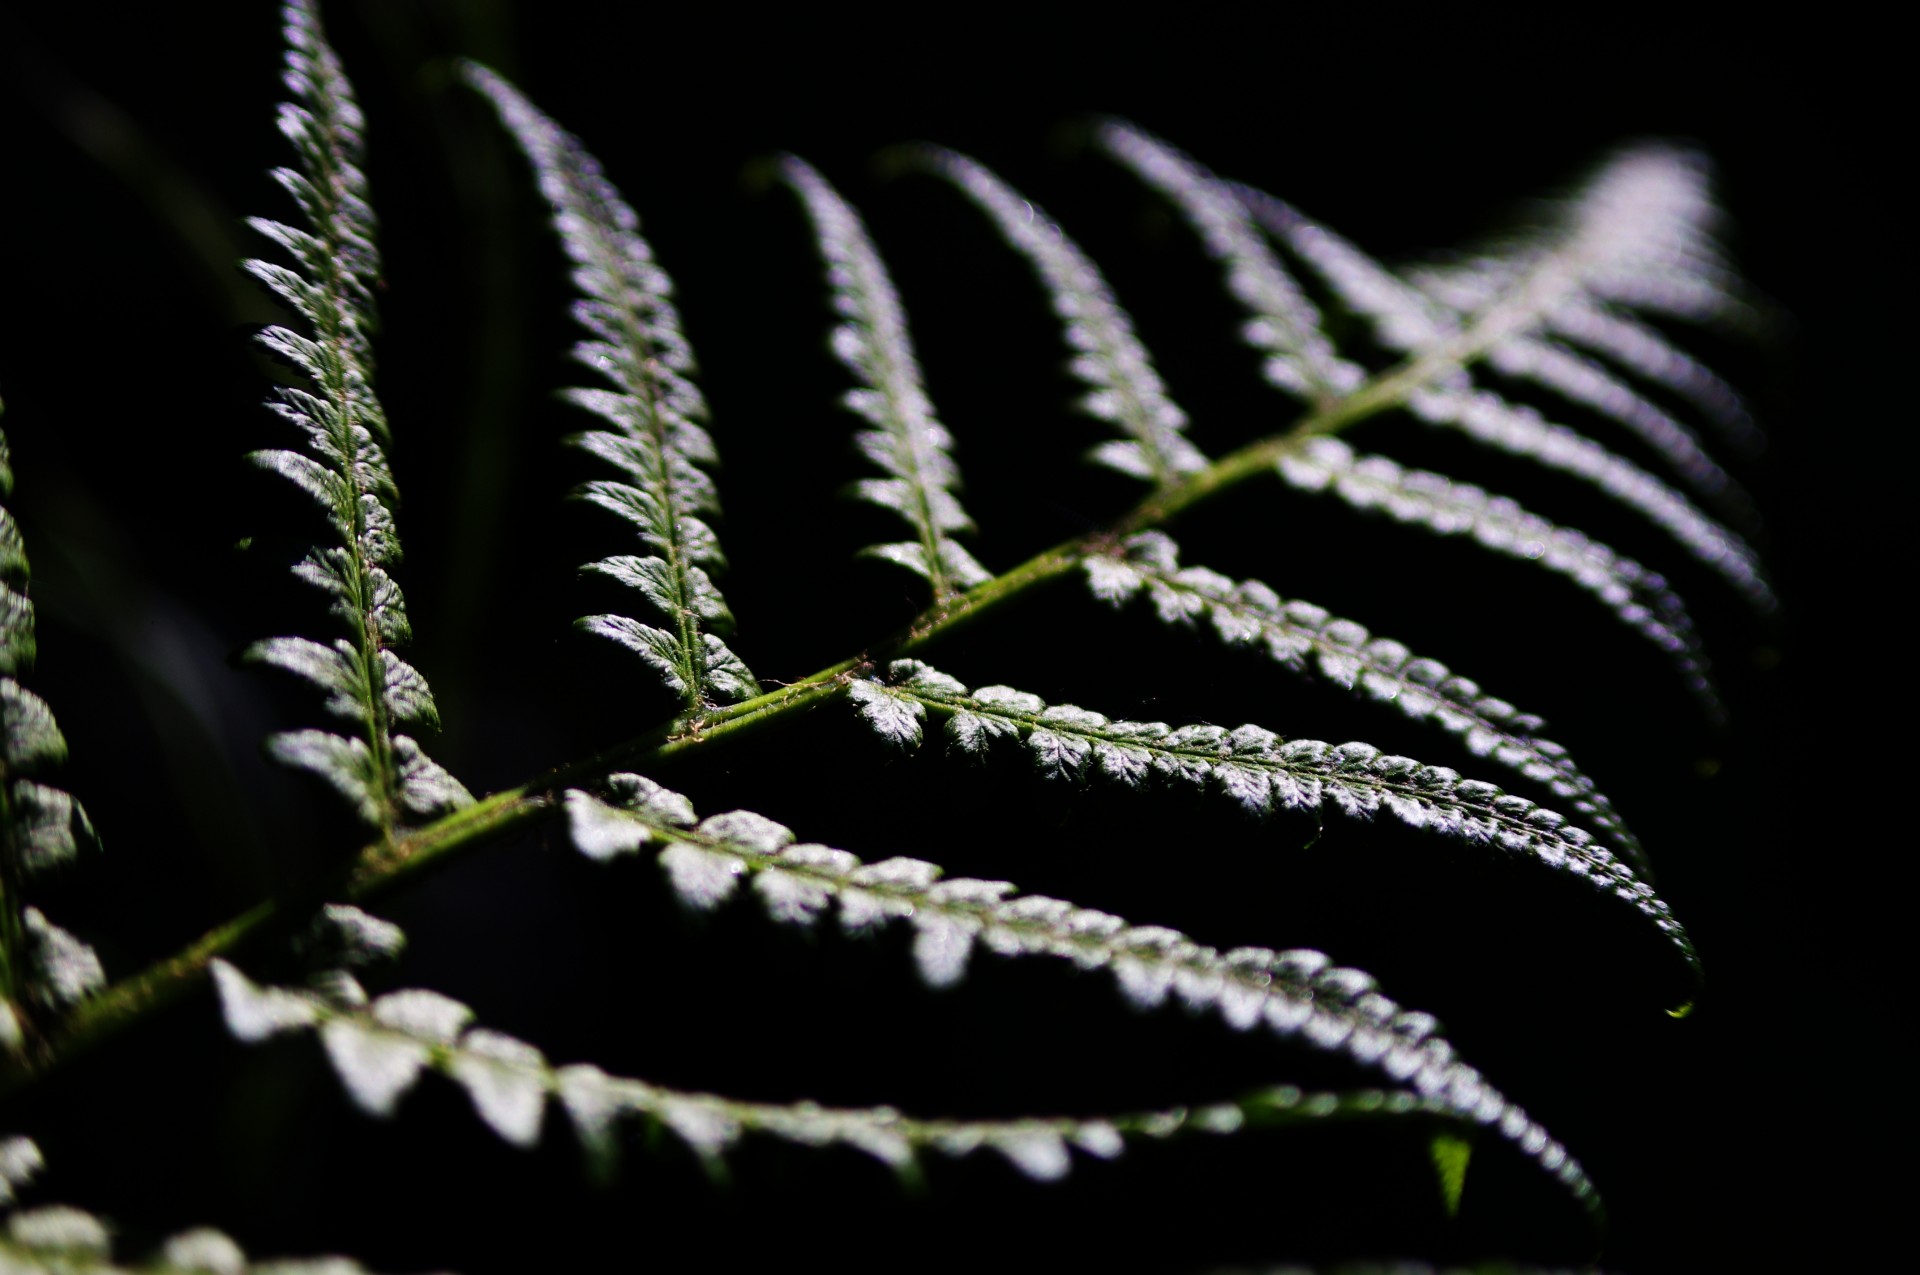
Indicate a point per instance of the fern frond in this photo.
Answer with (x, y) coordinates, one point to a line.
(1249, 613)
(1637, 347)
(383, 774)
(1285, 325)
(1411, 323)
(1636, 596)
(1408, 320)
(907, 441)
(1296, 993)
(654, 410)
(41, 827)
(1640, 234)
(1582, 380)
(1257, 770)
(1125, 390)
(380, 1049)
(1521, 431)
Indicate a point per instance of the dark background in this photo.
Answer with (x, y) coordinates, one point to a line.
(134, 136)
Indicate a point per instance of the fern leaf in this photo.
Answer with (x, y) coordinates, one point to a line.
(1260, 772)
(366, 683)
(41, 827)
(1637, 347)
(380, 1050)
(1410, 322)
(1637, 597)
(1521, 431)
(907, 441)
(1639, 235)
(1248, 613)
(653, 413)
(1285, 325)
(1125, 390)
(1297, 993)
(1584, 381)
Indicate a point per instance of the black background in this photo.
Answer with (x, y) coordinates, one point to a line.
(1753, 1131)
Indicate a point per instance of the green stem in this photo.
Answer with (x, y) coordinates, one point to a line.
(391, 860)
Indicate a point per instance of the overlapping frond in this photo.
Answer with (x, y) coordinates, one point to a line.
(1254, 768)
(1520, 430)
(382, 773)
(1416, 323)
(1285, 324)
(1125, 390)
(380, 1048)
(653, 413)
(1294, 994)
(1249, 613)
(1640, 349)
(1640, 234)
(1637, 597)
(41, 827)
(907, 441)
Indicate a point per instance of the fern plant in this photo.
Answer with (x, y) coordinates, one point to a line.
(1195, 772)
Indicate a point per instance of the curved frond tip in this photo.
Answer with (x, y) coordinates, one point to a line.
(652, 416)
(907, 441)
(1257, 770)
(381, 1048)
(1637, 596)
(1249, 613)
(1298, 994)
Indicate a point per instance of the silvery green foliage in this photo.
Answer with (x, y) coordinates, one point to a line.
(1415, 322)
(1636, 346)
(1296, 994)
(1518, 429)
(1608, 231)
(1254, 768)
(1124, 387)
(1249, 613)
(380, 1048)
(41, 827)
(1637, 237)
(1638, 597)
(1285, 325)
(654, 412)
(906, 439)
(383, 774)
